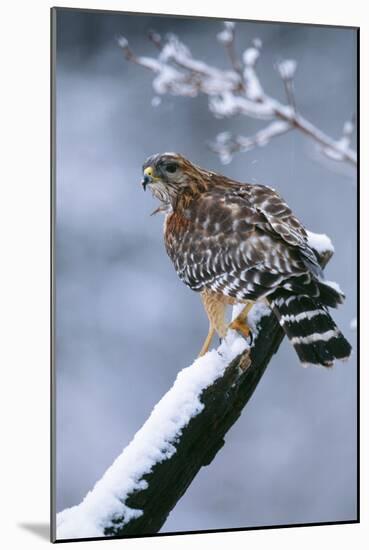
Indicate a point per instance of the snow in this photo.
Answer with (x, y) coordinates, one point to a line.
(150, 63)
(287, 68)
(320, 242)
(122, 42)
(348, 127)
(332, 154)
(227, 104)
(253, 87)
(342, 145)
(223, 137)
(259, 310)
(226, 35)
(353, 324)
(334, 285)
(153, 443)
(254, 90)
(175, 69)
(156, 101)
(236, 310)
(250, 56)
(226, 144)
(263, 137)
(174, 49)
(170, 80)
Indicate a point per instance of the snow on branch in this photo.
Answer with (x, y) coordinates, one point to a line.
(154, 443)
(227, 144)
(184, 432)
(237, 91)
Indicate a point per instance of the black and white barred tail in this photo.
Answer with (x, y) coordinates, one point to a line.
(309, 326)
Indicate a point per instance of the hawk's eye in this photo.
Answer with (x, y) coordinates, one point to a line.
(171, 168)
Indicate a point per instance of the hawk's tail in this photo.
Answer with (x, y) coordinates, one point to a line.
(310, 328)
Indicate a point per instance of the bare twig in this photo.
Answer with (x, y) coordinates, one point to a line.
(236, 92)
(227, 38)
(155, 39)
(286, 70)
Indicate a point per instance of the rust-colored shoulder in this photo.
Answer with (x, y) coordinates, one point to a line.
(176, 225)
(176, 222)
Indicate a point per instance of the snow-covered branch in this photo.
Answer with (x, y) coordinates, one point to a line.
(184, 432)
(227, 144)
(237, 91)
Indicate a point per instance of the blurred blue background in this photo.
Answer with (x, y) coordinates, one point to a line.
(125, 324)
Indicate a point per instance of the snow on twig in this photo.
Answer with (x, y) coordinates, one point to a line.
(343, 144)
(237, 91)
(226, 144)
(286, 70)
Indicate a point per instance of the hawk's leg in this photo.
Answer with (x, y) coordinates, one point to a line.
(215, 307)
(208, 339)
(240, 322)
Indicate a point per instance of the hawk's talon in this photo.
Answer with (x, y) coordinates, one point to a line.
(240, 327)
(243, 329)
(251, 338)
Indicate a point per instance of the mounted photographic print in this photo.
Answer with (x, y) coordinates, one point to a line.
(204, 274)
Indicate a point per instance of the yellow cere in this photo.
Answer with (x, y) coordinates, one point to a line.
(148, 171)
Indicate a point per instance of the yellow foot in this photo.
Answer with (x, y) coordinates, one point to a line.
(241, 327)
(240, 323)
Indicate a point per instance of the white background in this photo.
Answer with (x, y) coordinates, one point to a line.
(24, 219)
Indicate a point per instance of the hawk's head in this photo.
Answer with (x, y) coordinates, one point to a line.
(169, 174)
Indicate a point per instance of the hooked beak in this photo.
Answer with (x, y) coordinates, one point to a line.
(148, 177)
(146, 180)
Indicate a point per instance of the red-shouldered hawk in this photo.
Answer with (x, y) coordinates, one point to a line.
(237, 243)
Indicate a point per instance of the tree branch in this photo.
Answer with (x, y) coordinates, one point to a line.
(185, 431)
(236, 92)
